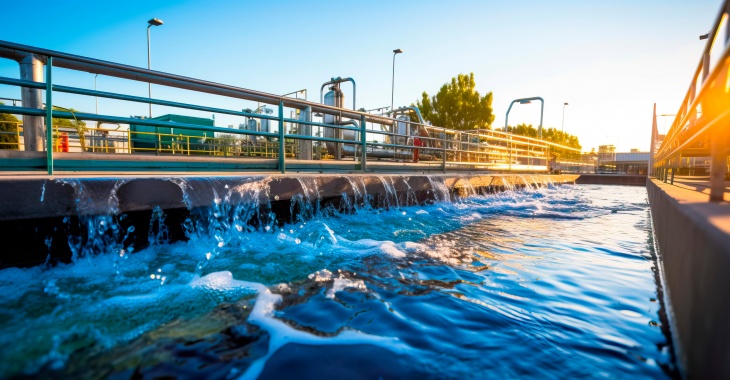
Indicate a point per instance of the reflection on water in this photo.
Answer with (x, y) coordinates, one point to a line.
(545, 283)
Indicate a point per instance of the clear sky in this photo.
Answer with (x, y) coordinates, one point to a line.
(610, 60)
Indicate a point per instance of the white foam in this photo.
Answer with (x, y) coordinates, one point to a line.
(281, 333)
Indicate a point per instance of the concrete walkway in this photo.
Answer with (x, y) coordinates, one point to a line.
(700, 185)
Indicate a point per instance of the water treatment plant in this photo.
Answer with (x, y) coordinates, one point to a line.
(217, 231)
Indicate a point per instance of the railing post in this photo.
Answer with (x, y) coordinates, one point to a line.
(49, 115)
(674, 169)
(443, 158)
(718, 167)
(282, 166)
(364, 143)
(509, 167)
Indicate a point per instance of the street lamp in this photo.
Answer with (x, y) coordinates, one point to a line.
(526, 101)
(392, 90)
(562, 125)
(152, 22)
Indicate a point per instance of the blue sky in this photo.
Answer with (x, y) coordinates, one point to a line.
(610, 60)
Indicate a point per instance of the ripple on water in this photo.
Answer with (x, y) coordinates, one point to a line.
(552, 282)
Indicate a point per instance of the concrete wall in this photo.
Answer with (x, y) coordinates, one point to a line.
(693, 237)
(39, 214)
(611, 179)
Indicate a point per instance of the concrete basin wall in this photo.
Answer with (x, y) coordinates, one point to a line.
(693, 238)
(41, 213)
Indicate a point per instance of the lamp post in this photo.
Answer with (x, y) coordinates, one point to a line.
(151, 23)
(539, 129)
(562, 124)
(526, 101)
(392, 89)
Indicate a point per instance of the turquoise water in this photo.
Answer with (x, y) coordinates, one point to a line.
(543, 283)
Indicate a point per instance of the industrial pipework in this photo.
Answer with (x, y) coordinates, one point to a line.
(337, 81)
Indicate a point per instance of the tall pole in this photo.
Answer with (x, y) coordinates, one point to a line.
(392, 89)
(149, 66)
(151, 23)
(562, 124)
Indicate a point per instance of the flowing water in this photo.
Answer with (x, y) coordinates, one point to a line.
(551, 282)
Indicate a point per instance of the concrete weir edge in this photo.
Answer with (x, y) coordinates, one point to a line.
(43, 212)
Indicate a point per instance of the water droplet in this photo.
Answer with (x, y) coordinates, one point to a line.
(221, 244)
(158, 276)
(297, 241)
(403, 212)
(410, 218)
(291, 231)
(130, 229)
(152, 276)
(207, 256)
(267, 228)
(276, 197)
(159, 270)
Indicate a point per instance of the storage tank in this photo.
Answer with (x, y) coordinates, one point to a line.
(402, 129)
(335, 98)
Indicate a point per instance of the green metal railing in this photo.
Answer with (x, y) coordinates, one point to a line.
(442, 148)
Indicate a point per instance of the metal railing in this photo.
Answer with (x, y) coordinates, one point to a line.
(702, 125)
(358, 136)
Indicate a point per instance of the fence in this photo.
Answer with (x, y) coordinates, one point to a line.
(342, 134)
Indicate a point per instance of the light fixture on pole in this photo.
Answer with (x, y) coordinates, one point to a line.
(392, 90)
(705, 36)
(151, 23)
(526, 101)
(562, 124)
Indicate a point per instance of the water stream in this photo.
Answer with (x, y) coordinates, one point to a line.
(543, 282)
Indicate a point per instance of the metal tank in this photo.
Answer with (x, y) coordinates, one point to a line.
(250, 125)
(335, 98)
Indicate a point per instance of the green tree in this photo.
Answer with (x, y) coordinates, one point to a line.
(458, 106)
(8, 131)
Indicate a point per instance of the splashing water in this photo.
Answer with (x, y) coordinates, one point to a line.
(500, 285)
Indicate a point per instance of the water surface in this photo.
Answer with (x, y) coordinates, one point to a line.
(543, 283)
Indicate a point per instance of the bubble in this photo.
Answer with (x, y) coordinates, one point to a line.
(276, 197)
(158, 277)
(221, 244)
(207, 256)
(291, 231)
(152, 276)
(130, 229)
(267, 228)
(403, 213)
(297, 241)
(159, 270)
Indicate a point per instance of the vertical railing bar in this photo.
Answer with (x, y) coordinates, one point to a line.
(49, 116)
(443, 158)
(364, 142)
(282, 163)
